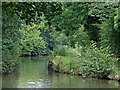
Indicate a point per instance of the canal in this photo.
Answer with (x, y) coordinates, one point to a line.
(33, 73)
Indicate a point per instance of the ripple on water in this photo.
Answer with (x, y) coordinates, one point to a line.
(31, 83)
(38, 82)
(28, 87)
(33, 76)
(41, 80)
(29, 80)
(47, 81)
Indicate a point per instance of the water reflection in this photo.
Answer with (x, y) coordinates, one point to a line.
(67, 81)
(0, 82)
(9, 81)
(33, 73)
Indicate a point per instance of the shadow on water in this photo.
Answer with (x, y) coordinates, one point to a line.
(33, 73)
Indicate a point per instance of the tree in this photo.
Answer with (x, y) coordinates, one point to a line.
(27, 10)
(109, 33)
(32, 41)
(71, 19)
(97, 13)
(11, 34)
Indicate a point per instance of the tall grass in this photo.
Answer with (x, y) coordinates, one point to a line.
(64, 50)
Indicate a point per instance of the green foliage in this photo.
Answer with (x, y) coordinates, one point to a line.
(71, 19)
(11, 34)
(60, 38)
(81, 37)
(115, 74)
(102, 10)
(32, 41)
(97, 13)
(27, 10)
(68, 31)
(11, 37)
(109, 34)
(63, 43)
(97, 62)
(106, 32)
(9, 66)
(64, 50)
(47, 32)
(94, 62)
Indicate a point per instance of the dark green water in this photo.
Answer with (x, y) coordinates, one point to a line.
(33, 73)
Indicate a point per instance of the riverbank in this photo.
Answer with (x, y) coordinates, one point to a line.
(33, 73)
(85, 68)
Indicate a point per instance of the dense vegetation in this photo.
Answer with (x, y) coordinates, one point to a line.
(85, 36)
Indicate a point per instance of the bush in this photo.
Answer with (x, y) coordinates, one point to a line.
(9, 66)
(60, 38)
(11, 37)
(32, 41)
(11, 34)
(97, 62)
(94, 62)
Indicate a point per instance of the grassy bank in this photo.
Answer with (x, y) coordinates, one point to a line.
(88, 62)
(85, 68)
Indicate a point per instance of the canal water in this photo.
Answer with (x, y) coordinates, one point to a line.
(33, 73)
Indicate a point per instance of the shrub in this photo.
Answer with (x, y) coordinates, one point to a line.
(32, 41)
(9, 66)
(98, 62)
(60, 38)
(11, 34)
(94, 62)
(11, 37)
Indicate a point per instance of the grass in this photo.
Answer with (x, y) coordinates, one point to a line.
(93, 62)
(78, 66)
